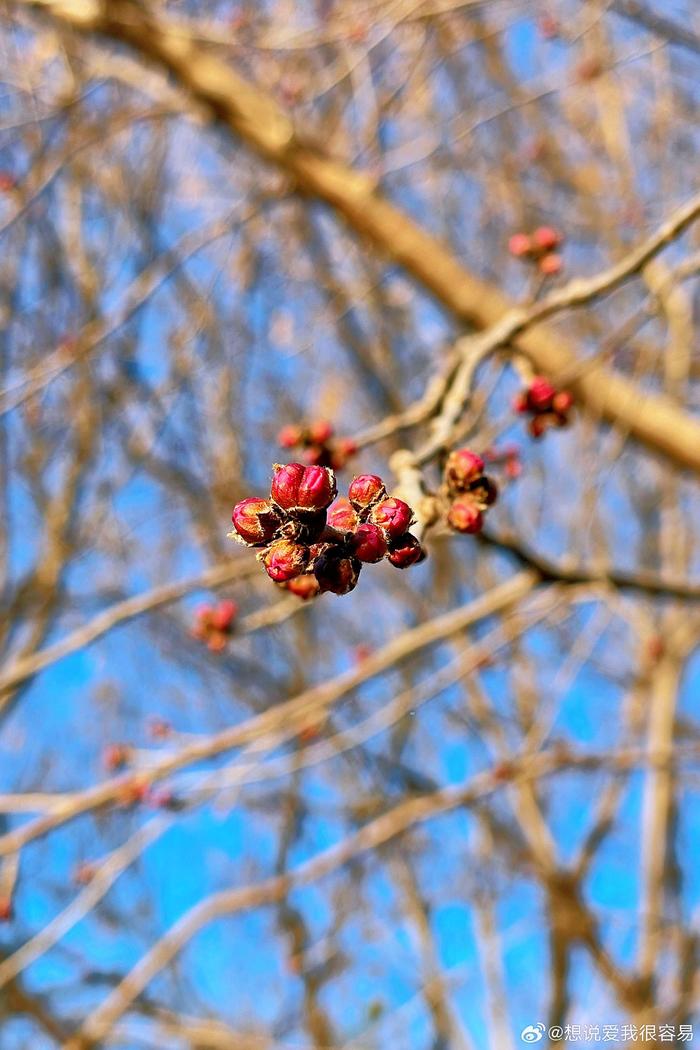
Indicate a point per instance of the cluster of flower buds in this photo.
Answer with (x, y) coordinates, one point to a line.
(469, 491)
(309, 546)
(547, 406)
(539, 247)
(318, 443)
(214, 624)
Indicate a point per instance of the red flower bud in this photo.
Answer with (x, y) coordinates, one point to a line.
(290, 436)
(116, 756)
(320, 432)
(537, 426)
(369, 543)
(464, 516)
(217, 640)
(463, 466)
(520, 403)
(551, 264)
(342, 517)
(83, 873)
(296, 487)
(540, 394)
(304, 586)
(546, 238)
(224, 615)
(284, 560)
(5, 909)
(519, 244)
(337, 571)
(393, 516)
(366, 489)
(404, 551)
(158, 728)
(562, 402)
(255, 521)
(347, 447)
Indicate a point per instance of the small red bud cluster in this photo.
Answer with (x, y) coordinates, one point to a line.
(320, 446)
(539, 247)
(469, 491)
(309, 548)
(547, 406)
(214, 624)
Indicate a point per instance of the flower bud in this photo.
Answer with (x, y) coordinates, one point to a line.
(224, 615)
(255, 521)
(296, 487)
(320, 432)
(337, 571)
(562, 402)
(342, 517)
(462, 467)
(284, 560)
(290, 436)
(540, 394)
(519, 244)
(546, 238)
(405, 550)
(464, 516)
(116, 756)
(369, 544)
(551, 264)
(366, 489)
(537, 426)
(520, 403)
(304, 586)
(393, 516)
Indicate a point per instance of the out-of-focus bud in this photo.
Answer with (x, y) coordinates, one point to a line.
(320, 432)
(551, 264)
(299, 488)
(224, 614)
(366, 489)
(369, 543)
(546, 238)
(337, 571)
(83, 873)
(255, 521)
(405, 551)
(393, 516)
(342, 517)
(537, 426)
(5, 908)
(284, 560)
(116, 756)
(464, 516)
(540, 394)
(519, 245)
(305, 586)
(159, 728)
(290, 436)
(463, 466)
(562, 402)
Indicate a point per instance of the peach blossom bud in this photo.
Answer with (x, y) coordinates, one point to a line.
(255, 521)
(405, 551)
(464, 516)
(463, 466)
(393, 516)
(284, 560)
(369, 544)
(366, 489)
